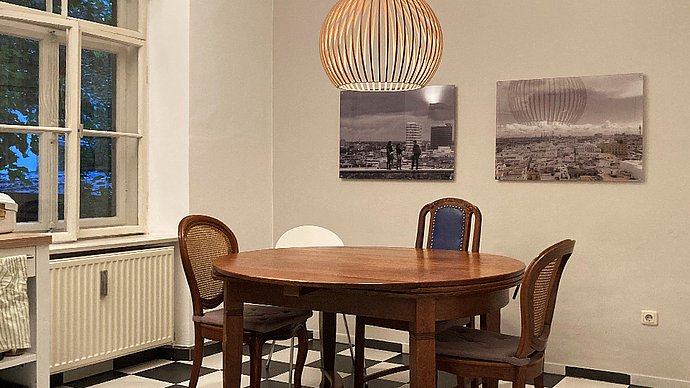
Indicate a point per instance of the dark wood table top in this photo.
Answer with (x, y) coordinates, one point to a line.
(371, 268)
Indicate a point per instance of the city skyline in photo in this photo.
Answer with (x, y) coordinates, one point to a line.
(570, 129)
(398, 135)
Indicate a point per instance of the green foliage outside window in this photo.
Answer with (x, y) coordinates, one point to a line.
(19, 98)
(18, 101)
(99, 11)
(36, 4)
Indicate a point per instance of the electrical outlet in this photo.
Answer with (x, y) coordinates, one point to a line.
(649, 318)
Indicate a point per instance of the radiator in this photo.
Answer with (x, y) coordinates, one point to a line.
(109, 305)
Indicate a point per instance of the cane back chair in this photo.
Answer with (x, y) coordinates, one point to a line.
(202, 239)
(472, 353)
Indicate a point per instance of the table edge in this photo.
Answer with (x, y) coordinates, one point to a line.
(511, 278)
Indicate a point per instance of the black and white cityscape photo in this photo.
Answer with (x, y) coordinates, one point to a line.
(398, 135)
(570, 129)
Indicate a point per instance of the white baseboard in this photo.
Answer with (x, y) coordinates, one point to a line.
(635, 379)
(556, 369)
(549, 367)
(653, 381)
(87, 371)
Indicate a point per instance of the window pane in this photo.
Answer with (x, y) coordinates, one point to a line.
(99, 11)
(97, 87)
(18, 81)
(62, 79)
(61, 178)
(19, 106)
(37, 4)
(19, 173)
(97, 177)
(103, 11)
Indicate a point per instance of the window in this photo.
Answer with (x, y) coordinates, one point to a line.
(72, 118)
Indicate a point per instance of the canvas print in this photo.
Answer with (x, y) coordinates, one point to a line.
(570, 129)
(398, 135)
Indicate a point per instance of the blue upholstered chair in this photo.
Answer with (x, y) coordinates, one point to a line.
(453, 223)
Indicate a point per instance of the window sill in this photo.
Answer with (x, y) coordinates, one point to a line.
(82, 247)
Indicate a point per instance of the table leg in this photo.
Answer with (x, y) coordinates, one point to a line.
(327, 333)
(492, 322)
(232, 340)
(423, 346)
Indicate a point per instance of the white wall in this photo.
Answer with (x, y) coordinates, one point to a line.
(630, 252)
(210, 123)
(168, 140)
(230, 116)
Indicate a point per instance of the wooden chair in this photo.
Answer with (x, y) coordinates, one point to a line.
(202, 239)
(468, 352)
(452, 224)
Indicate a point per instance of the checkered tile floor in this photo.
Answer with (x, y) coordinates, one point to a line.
(166, 373)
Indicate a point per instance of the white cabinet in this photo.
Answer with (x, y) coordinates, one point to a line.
(33, 367)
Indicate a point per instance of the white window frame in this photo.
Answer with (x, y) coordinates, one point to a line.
(80, 34)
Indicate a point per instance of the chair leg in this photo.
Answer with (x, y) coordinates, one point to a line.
(292, 360)
(255, 346)
(539, 381)
(197, 357)
(302, 349)
(359, 354)
(270, 354)
(519, 382)
(349, 340)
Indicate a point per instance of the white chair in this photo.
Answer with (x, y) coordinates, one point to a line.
(311, 236)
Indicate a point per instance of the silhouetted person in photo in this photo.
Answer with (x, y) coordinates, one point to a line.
(389, 155)
(399, 156)
(416, 153)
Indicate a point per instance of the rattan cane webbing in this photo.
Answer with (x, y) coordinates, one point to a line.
(204, 244)
(541, 294)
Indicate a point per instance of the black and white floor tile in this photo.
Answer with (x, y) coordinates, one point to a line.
(165, 373)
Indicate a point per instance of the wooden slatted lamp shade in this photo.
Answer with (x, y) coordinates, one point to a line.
(381, 45)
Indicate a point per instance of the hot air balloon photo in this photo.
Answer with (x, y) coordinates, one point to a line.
(570, 129)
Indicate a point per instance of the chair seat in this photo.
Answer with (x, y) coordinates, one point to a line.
(463, 342)
(260, 318)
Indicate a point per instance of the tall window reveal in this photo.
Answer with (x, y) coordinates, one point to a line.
(71, 118)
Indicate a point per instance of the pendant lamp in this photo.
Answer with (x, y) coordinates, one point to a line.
(381, 45)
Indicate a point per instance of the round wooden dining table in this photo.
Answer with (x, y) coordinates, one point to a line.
(420, 286)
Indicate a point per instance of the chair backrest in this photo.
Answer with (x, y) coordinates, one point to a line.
(309, 236)
(538, 296)
(202, 239)
(451, 220)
